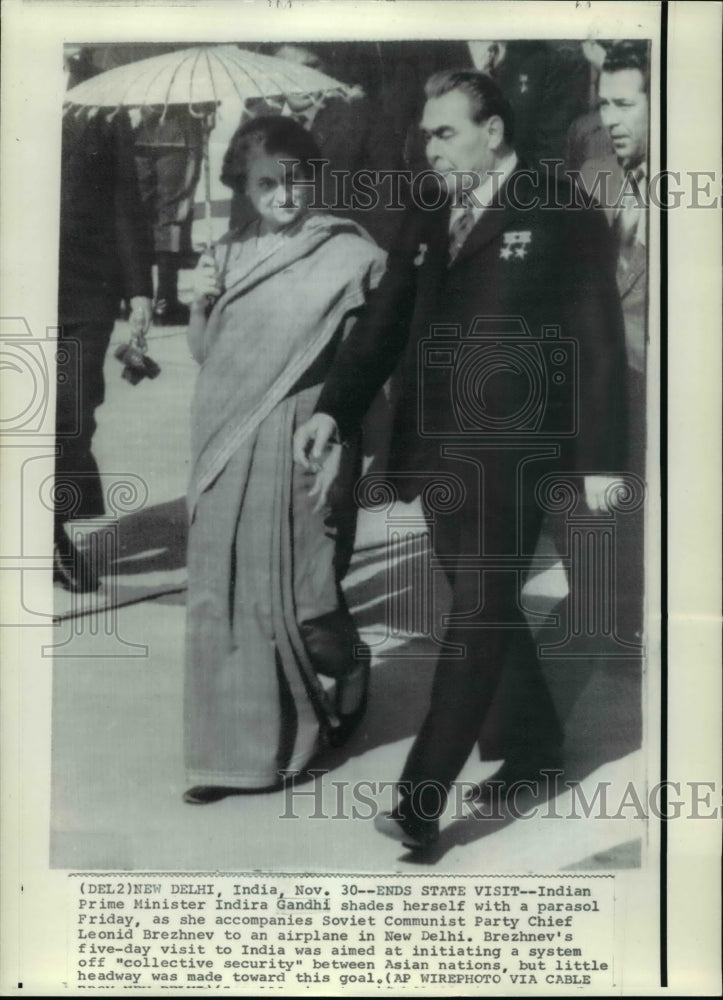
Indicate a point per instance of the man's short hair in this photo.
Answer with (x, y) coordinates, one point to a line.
(485, 97)
(629, 55)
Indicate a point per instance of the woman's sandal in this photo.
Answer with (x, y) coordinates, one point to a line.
(203, 795)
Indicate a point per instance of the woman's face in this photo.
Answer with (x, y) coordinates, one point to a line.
(277, 203)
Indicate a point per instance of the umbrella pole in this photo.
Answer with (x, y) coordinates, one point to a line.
(207, 181)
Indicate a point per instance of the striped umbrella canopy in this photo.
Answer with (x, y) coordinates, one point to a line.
(202, 77)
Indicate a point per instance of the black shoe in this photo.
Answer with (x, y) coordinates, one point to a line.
(204, 795)
(351, 688)
(512, 779)
(171, 313)
(416, 834)
(71, 569)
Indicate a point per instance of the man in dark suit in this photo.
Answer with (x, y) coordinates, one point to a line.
(105, 256)
(544, 88)
(587, 137)
(507, 309)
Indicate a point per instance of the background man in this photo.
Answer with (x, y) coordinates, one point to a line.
(105, 255)
(544, 86)
(587, 137)
(484, 258)
(168, 149)
(624, 110)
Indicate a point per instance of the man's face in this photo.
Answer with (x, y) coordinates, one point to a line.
(454, 142)
(624, 111)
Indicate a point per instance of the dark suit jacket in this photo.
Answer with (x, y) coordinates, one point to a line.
(544, 266)
(544, 89)
(587, 138)
(105, 241)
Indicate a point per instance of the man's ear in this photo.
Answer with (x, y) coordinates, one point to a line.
(496, 131)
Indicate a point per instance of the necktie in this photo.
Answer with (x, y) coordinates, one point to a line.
(629, 215)
(460, 228)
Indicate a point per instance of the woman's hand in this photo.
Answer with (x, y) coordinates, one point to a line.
(325, 477)
(206, 286)
(205, 280)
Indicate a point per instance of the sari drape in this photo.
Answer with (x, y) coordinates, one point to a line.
(254, 706)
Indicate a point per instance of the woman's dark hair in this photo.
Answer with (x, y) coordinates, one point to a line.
(272, 134)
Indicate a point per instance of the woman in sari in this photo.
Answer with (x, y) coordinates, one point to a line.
(266, 613)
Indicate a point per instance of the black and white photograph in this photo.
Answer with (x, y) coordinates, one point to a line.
(342, 456)
(347, 328)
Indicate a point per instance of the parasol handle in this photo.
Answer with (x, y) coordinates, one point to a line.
(207, 180)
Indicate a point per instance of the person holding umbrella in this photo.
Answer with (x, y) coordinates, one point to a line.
(265, 609)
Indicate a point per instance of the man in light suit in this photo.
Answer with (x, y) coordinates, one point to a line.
(623, 100)
(624, 109)
(494, 265)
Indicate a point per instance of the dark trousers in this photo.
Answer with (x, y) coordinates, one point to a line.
(80, 391)
(630, 527)
(498, 645)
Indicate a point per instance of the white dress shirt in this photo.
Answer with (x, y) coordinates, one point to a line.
(481, 197)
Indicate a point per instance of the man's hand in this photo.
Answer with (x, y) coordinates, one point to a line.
(140, 317)
(594, 52)
(600, 490)
(312, 439)
(325, 477)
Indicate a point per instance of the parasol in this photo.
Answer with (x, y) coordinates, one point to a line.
(202, 77)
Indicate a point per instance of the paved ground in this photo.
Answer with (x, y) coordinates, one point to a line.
(117, 766)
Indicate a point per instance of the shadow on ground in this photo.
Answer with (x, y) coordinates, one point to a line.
(152, 540)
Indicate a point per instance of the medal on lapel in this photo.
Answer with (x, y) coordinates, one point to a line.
(515, 245)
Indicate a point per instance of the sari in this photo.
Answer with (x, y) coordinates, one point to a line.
(260, 562)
